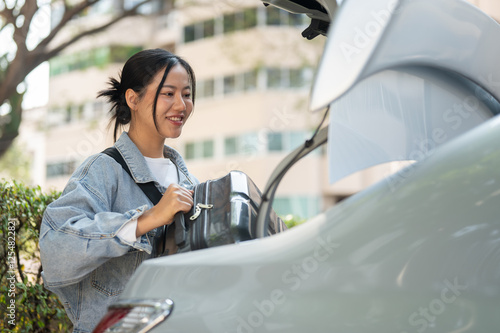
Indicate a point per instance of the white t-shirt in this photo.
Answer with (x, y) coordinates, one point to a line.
(165, 173)
(164, 170)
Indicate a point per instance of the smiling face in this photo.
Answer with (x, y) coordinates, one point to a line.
(173, 107)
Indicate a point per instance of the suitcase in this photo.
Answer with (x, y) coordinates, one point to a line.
(224, 212)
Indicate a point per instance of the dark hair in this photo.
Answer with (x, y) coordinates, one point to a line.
(137, 73)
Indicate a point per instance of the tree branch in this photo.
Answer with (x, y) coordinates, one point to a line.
(25, 61)
(127, 13)
(66, 5)
(18, 262)
(8, 15)
(69, 13)
(39, 274)
(28, 10)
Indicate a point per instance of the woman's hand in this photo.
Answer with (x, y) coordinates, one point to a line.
(176, 199)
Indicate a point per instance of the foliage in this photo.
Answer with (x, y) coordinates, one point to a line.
(292, 220)
(24, 303)
(16, 163)
(26, 45)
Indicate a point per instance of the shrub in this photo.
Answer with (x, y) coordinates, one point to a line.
(25, 305)
(292, 220)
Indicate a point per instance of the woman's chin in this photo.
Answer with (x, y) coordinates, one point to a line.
(172, 134)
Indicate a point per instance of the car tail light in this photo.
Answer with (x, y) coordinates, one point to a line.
(134, 316)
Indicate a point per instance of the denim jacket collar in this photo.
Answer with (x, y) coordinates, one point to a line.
(138, 166)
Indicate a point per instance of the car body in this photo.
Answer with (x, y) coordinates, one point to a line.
(417, 252)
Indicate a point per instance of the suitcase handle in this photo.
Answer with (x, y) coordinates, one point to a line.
(180, 229)
(198, 209)
(279, 172)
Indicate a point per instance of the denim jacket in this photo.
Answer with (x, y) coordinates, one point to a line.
(84, 261)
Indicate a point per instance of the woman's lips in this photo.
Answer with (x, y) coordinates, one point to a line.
(176, 120)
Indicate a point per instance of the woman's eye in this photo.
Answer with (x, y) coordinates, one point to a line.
(187, 95)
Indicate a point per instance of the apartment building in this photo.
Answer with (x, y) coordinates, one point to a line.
(254, 72)
(490, 7)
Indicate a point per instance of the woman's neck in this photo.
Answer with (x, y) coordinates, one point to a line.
(148, 146)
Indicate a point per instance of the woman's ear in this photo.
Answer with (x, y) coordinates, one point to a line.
(132, 99)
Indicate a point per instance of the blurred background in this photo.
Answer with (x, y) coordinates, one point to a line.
(254, 73)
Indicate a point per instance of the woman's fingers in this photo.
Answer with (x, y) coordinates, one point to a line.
(185, 198)
(177, 198)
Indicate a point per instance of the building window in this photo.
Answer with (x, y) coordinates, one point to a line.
(244, 144)
(297, 20)
(56, 117)
(250, 18)
(190, 151)
(199, 149)
(285, 141)
(60, 169)
(208, 148)
(229, 23)
(295, 139)
(273, 16)
(296, 78)
(101, 56)
(231, 146)
(277, 78)
(84, 59)
(288, 78)
(274, 78)
(208, 28)
(250, 144)
(205, 89)
(274, 142)
(189, 33)
(246, 19)
(299, 206)
(120, 54)
(250, 80)
(98, 57)
(98, 107)
(229, 84)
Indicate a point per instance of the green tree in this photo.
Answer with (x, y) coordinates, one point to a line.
(15, 163)
(18, 21)
(24, 304)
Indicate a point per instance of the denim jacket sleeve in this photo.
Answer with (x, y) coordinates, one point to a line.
(79, 230)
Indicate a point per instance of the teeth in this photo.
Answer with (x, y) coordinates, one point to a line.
(175, 118)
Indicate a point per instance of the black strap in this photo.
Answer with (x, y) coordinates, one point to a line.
(149, 189)
(155, 196)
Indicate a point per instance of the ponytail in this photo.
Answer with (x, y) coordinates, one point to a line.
(120, 111)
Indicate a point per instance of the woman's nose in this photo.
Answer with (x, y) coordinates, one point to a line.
(179, 103)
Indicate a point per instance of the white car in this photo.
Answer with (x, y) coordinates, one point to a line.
(416, 252)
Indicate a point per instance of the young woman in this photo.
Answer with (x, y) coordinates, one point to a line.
(101, 228)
